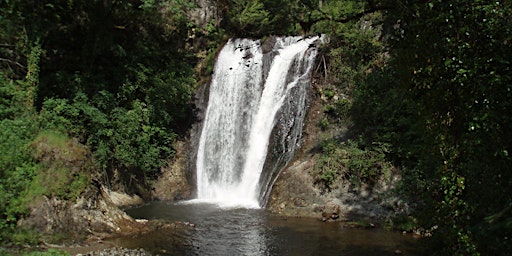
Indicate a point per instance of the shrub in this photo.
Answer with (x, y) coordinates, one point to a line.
(351, 161)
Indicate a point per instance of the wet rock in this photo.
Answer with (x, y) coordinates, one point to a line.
(268, 44)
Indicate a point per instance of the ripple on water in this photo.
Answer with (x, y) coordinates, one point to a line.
(242, 231)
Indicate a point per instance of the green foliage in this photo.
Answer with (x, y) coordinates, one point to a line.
(49, 252)
(324, 123)
(15, 99)
(56, 180)
(35, 166)
(268, 17)
(350, 161)
(32, 77)
(122, 138)
(25, 237)
(111, 77)
(402, 223)
(442, 103)
(433, 97)
(248, 17)
(111, 74)
(16, 170)
(339, 109)
(354, 53)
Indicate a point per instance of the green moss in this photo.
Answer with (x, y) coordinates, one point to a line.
(49, 252)
(58, 181)
(328, 93)
(50, 145)
(62, 169)
(58, 238)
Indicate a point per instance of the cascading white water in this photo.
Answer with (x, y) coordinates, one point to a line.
(243, 104)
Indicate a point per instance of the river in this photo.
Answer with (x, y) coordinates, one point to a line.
(242, 231)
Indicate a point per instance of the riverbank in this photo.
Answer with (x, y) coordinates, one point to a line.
(207, 229)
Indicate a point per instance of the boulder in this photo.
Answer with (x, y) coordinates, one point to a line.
(121, 199)
(331, 212)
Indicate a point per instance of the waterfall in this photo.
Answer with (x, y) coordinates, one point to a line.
(253, 88)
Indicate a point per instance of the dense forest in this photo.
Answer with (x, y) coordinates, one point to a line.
(425, 85)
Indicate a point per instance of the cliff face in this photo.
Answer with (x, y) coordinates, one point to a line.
(92, 215)
(174, 181)
(67, 197)
(206, 11)
(73, 203)
(298, 191)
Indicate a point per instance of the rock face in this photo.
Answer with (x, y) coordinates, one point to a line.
(74, 203)
(121, 199)
(173, 184)
(93, 214)
(295, 192)
(206, 11)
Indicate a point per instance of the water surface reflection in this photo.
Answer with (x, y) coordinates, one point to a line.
(220, 231)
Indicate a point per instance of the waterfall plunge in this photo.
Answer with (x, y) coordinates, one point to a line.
(247, 92)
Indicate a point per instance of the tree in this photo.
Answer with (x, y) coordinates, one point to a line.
(449, 67)
(114, 76)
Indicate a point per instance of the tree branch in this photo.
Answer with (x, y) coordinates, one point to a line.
(13, 62)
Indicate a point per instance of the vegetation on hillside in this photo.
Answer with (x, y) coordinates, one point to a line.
(431, 90)
(108, 77)
(425, 86)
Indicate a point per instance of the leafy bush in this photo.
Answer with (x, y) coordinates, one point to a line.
(248, 17)
(16, 171)
(349, 161)
(324, 123)
(129, 140)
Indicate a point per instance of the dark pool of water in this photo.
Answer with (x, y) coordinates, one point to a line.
(257, 232)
